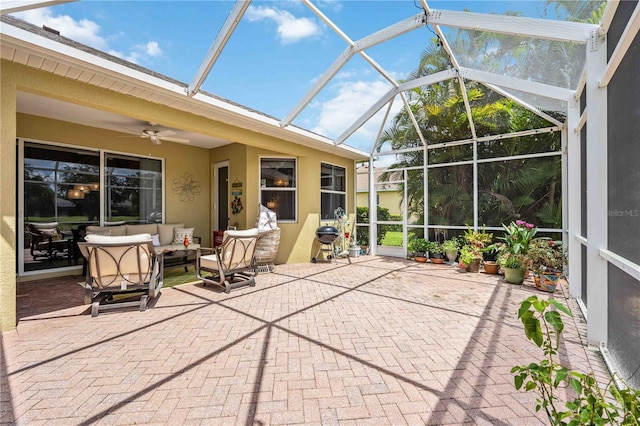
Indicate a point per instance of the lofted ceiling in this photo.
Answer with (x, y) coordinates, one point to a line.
(543, 89)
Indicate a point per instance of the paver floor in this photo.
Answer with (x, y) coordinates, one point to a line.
(381, 341)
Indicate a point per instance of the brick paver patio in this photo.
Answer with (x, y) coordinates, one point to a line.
(380, 341)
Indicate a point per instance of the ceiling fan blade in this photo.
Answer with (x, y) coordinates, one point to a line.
(178, 140)
(163, 133)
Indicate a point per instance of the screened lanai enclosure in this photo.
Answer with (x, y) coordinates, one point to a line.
(472, 114)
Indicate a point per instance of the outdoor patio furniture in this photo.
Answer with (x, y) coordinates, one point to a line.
(231, 265)
(267, 247)
(47, 240)
(120, 268)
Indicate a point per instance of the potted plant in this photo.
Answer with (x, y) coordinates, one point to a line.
(467, 259)
(419, 246)
(490, 260)
(477, 241)
(514, 266)
(512, 249)
(435, 252)
(548, 259)
(451, 247)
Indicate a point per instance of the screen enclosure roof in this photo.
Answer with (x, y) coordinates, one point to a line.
(328, 74)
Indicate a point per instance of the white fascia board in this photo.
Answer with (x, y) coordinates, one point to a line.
(234, 109)
(541, 89)
(422, 81)
(29, 42)
(364, 43)
(514, 25)
(218, 44)
(268, 125)
(13, 6)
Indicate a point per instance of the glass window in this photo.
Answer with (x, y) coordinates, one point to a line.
(134, 189)
(66, 185)
(278, 186)
(332, 189)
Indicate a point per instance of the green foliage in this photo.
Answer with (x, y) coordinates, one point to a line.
(362, 216)
(419, 245)
(591, 405)
(477, 241)
(433, 247)
(450, 245)
(466, 255)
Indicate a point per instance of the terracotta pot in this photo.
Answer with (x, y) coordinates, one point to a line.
(490, 267)
(420, 258)
(437, 260)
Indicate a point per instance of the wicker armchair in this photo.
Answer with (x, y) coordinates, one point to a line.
(266, 250)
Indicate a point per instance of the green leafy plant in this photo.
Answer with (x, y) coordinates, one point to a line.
(433, 247)
(517, 236)
(419, 245)
(477, 240)
(450, 245)
(466, 255)
(546, 255)
(543, 325)
(513, 261)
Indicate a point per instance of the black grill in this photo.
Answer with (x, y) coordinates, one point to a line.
(327, 234)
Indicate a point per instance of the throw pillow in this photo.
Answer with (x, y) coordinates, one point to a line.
(155, 238)
(267, 219)
(180, 233)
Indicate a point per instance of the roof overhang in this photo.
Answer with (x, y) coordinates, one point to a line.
(24, 45)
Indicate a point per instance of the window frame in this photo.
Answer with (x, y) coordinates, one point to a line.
(293, 189)
(333, 191)
(101, 153)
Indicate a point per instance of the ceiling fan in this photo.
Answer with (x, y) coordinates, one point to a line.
(157, 136)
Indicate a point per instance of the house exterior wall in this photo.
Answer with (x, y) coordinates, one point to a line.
(388, 199)
(179, 159)
(297, 240)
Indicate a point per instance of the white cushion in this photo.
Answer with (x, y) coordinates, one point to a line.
(244, 233)
(165, 231)
(48, 225)
(119, 239)
(209, 262)
(155, 238)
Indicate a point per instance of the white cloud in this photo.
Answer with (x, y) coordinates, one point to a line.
(152, 49)
(83, 31)
(338, 113)
(87, 32)
(290, 29)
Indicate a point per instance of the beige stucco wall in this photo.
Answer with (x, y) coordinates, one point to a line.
(388, 199)
(7, 197)
(297, 242)
(298, 239)
(179, 160)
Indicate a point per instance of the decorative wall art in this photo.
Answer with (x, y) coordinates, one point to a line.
(186, 186)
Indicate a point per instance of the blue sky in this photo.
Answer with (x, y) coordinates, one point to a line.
(277, 52)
